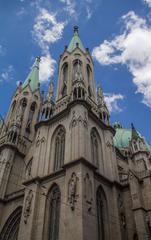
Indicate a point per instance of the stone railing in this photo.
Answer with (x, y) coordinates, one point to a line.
(21, 143)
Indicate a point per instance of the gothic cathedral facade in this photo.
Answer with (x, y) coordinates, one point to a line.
(65, 172)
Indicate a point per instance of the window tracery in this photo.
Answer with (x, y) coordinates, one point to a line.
(54, 213)
(94, 147)
(11, 227)
(59, 149)
(101, 214)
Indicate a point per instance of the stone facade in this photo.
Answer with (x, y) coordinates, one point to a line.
(62, 175)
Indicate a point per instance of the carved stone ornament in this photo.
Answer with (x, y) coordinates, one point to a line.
(27, 207)
(28, 169)
(72, 190)
(38, 139)
(123, 175)
(79, 119)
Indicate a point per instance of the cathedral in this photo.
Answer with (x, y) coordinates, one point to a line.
(66, 173)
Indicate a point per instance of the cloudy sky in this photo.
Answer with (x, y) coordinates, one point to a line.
(117, 32)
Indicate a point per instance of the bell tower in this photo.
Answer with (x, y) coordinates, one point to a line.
(75, 80)
(17, 131)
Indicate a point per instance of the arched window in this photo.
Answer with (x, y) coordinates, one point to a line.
(24, 103)
(65, 73)
(64, 90)
(135, 146)
(77, 70)
(54, 213)
(11, 227)
(89, 74)
(101, 214)
(94, 147)
(30, 117)
(59, 149)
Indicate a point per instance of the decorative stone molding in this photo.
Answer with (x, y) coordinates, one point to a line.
(123, 175)
(72, 190)
(27, 207)
(28, 169)
(40, 140)
(79, 120)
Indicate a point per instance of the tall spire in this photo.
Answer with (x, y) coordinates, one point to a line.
(75, 41)
(135, 134)
(33, 77)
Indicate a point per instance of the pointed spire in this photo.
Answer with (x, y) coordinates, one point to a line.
(50, 91)
(33, 77)
(75, 41)
(135, 134)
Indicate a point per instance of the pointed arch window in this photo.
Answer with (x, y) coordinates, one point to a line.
(77, 70)
(59, 149)
(94, 147)
(64, 90)
(11, 227)
(30, 117)
(101, 214)
(54, 213)
(65, 72)
(24, 103)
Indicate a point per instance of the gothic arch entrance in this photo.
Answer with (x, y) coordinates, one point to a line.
(11, 227)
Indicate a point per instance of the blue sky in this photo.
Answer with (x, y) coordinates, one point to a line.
(117, 32)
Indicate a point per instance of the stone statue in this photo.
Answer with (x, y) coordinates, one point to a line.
(50, 91)
(100, 96)
(72, 190)
(27, 208)
(88, 190)
(78, 73)
(18, 118)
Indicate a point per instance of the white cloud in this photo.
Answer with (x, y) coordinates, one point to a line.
(148, 2)
(46, 31)
(70, 6)
(46, 70)
(7, 74)
(112, 101)
(132, 48)
(75, 8)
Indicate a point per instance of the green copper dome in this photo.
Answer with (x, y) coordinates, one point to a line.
(75, 41)
(33, 77)
(123, 136)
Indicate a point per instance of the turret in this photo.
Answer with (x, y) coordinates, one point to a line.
(103, 110)
(137, 142)
(139, 151)
(76, 79)
(48, 104)
(24, 109)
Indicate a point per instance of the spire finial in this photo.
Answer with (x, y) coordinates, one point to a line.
(50, 91)
(135, 134)
(38, 59)
(33, 77)
(75, 29)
